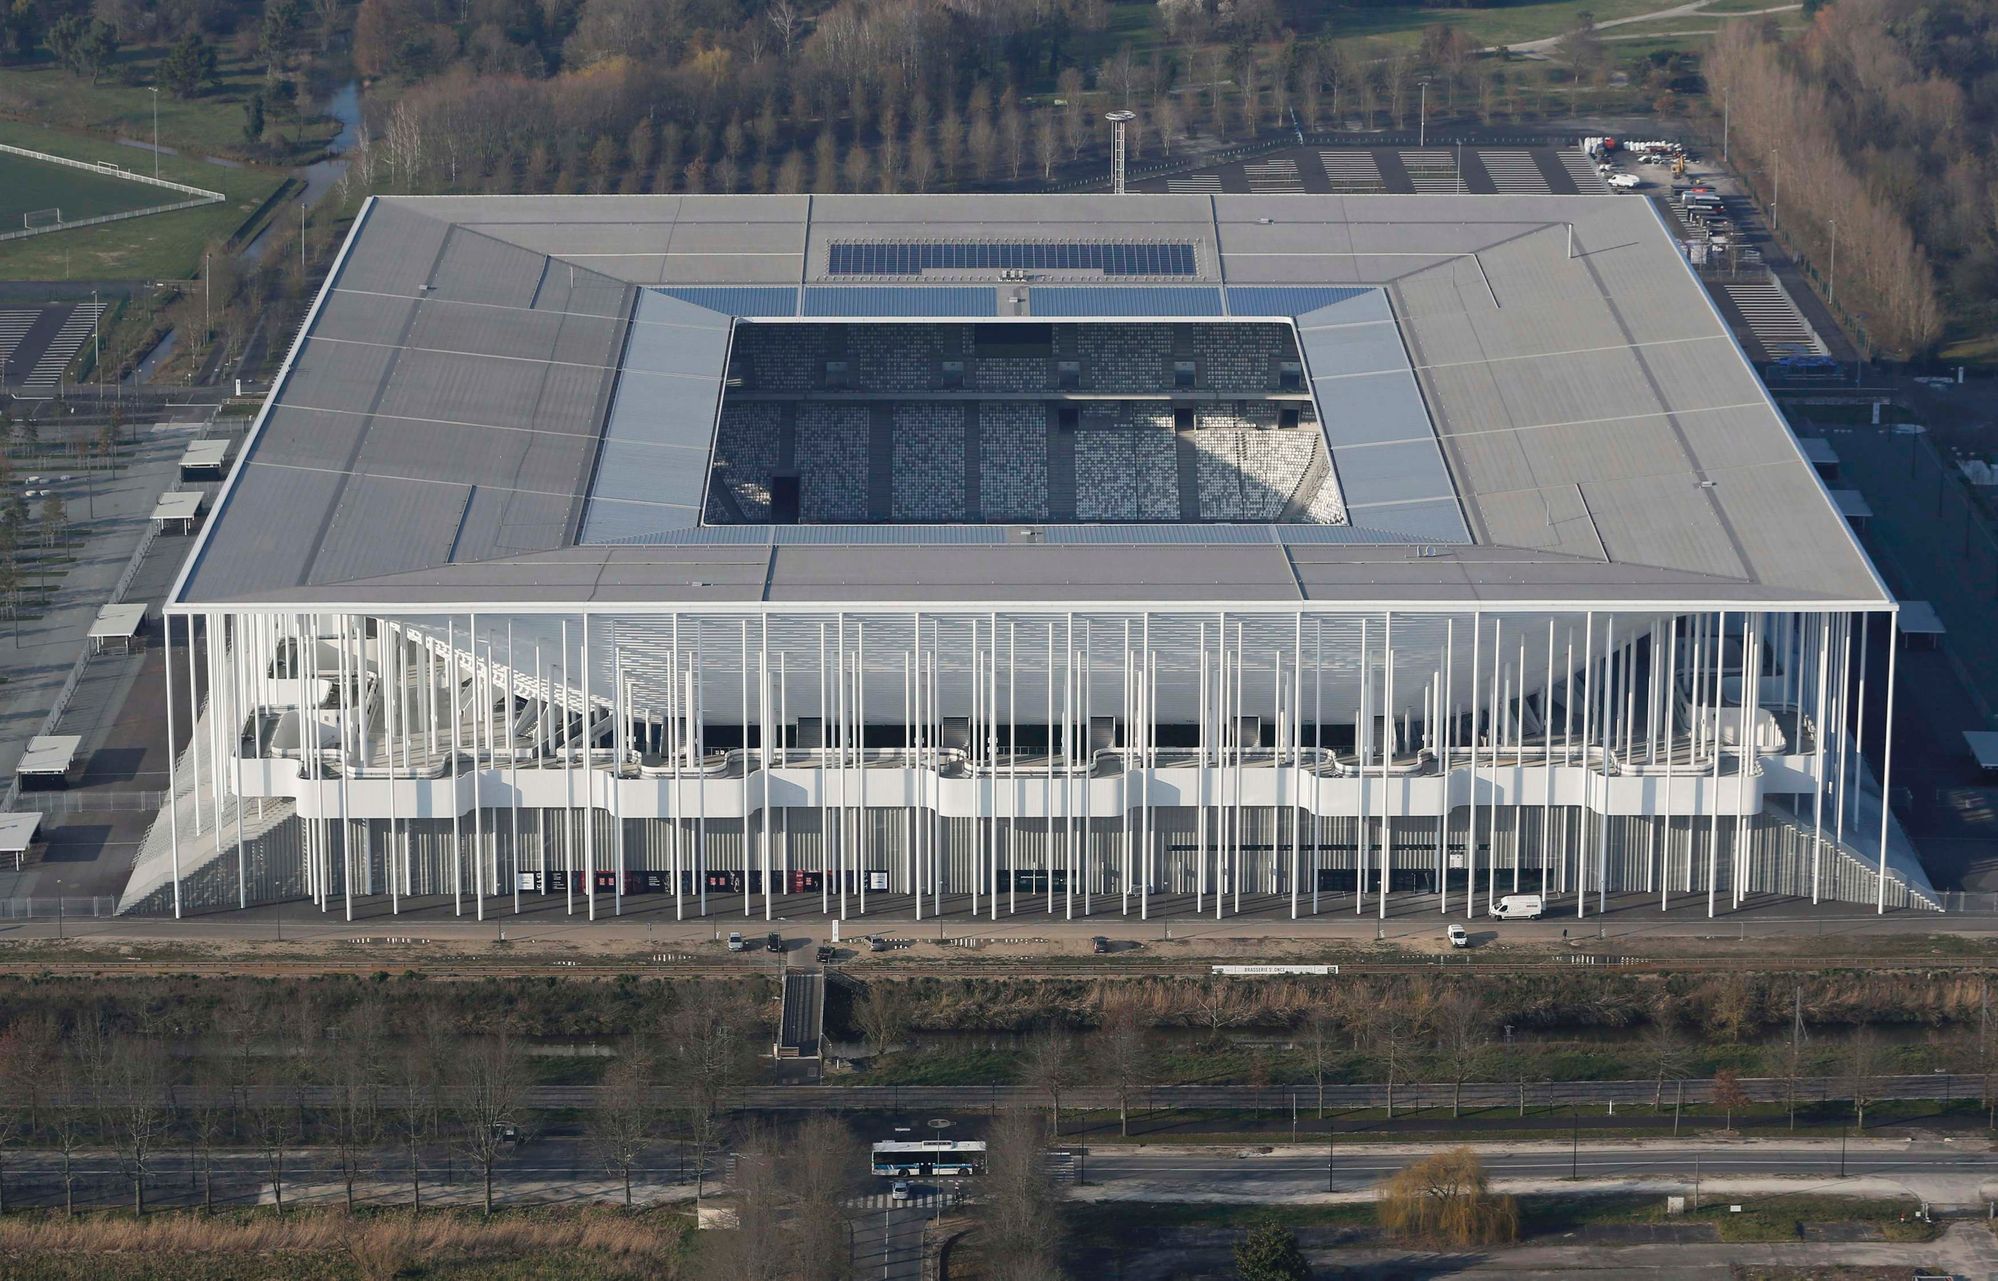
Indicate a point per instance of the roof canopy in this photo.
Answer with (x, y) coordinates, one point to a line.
(1593, 433)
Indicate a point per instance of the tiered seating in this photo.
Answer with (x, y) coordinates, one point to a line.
(746, 454)
(1328, 505)
(894, 358)
(1239, 357)
(929, 461)
(832, 462)
(1126, 465)
(1013, 460)
(780, 357)
(999, 373)
(1250, 474)
(1119, 358)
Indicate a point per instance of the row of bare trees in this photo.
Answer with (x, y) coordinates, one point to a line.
(1784, 123)
(358, 1087)
(1405, 1031)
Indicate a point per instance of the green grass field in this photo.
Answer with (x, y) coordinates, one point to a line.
(121, 105)
(154, 247)
(27, 186)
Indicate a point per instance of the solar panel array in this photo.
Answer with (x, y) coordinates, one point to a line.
(913, 258)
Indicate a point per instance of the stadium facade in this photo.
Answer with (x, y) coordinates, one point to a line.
(1090, 554)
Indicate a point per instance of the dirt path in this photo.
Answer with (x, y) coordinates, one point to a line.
(1696, 8)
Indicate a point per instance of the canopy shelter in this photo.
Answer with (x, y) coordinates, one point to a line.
(205, 460)
(179, 507)
(17, 833)
(116, 624)
(49, 756)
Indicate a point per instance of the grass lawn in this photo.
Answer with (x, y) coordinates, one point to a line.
(211, 124)
(1499, 25)
(30, 185)
(1109, 1224)
(589, 1243)
(154, 247)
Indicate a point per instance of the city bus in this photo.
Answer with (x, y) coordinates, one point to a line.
(928, 1157)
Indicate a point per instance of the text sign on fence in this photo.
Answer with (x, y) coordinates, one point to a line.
(1262, 971)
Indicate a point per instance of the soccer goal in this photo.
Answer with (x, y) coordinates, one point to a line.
(41, 217)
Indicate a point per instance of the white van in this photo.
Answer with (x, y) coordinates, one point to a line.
(1520, 907)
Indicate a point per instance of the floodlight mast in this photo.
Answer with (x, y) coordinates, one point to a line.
(1119, 122)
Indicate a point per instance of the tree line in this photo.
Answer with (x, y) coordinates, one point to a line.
(1872, 130)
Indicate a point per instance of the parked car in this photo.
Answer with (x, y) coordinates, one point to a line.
(773, 943)
(736, 942)
(1459, 936)
(1099, 945)
(875, 943)
(903, 1190)
(825, 954)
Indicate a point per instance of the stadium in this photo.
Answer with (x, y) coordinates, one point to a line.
(1136, 554)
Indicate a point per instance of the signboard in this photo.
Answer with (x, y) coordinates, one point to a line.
(877, 881)
(1262, 971)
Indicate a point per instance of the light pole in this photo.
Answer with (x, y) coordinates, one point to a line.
(1831, 291)
(301, 242)
(156, 131)
(96, 351)
(58, 886)
(1776, 198)
(1422, 115)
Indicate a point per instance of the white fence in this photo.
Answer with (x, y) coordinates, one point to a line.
(200, 195)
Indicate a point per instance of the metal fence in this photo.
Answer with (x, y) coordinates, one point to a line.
(55, 909)
(56, 804)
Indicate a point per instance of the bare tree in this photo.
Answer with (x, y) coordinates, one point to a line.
(1666, 1050)
(882, 1016)
(1050, 1066)
(1125, 1057)
(356, 1079)
(273, 1122)
(491, 1101)
(211, 1110)
(707, 1055)
(1464, 1043)
(413, 1077)
(818, 1173)
(622, 1124)
(1393, 1025)
(1321, 1048)
(69, 1112)
(1020, 1206)
(24, 1062)
(1863, 1059)
(134, 1096)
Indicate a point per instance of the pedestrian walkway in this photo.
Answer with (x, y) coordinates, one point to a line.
(888, 1201)
(1206, 184)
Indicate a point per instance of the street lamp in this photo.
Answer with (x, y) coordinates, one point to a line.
(156, 131)
(58, 886)
(1422, 115)
(1831, 291)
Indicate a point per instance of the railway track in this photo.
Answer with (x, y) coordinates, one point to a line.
(449, 968)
